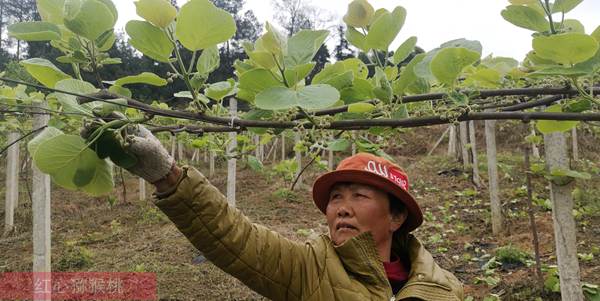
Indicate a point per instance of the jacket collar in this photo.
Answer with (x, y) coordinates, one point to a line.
(360, 257)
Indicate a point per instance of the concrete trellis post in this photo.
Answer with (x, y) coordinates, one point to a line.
(353, 144)
(12, 182)
(232, 161)
(575, 145)
(41, 211)
(452, 142)
(298, 158)
(562, 216)
(463, 145)
(473, 143)
(282, 146)
(492, 162)
(211, 164)
(142, 189)
(180, 151)
(173, 145)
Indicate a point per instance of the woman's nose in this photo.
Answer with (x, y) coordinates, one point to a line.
(344, 210)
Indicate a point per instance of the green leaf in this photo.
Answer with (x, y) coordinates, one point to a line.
(108, 146)
(564, 6)
(34, 31)
(360, 107)
(567, 48)
(208, 61)
(338, 145)
(102, 181)
(89, 18)
(158, 12)
(596, 34)
(51, 10)
(359, 13)
(46, 134)
(557, 172)
(525, 17)
(384, 29)
(485, 78)
(404, 50)
(120, 90)
(295, 74)
(423, 70)
(257, 114)
(578, 105)
(200, 25)
(148, 78)
(501, 64)
(65, 156)
(549, 126)
(357, 67)
(106, 41)
(273, 41)
(360, 90)
(448, 64)
(357, 39)
(312, 97)
(407, 76)
(571, 25)
(255, 164)
(329, 71)
(258, 80)
(220, 90)
(44, 71)
(302, 47)
(69, 102)
(149, 40)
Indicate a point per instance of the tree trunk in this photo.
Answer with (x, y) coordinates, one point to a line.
(562, 216)
(492, 162)
(12, 182)
(330, 159)
(41, 215)
(575, 145)
(473, 142)
(231, 152)
(452, 146)
(463, 145)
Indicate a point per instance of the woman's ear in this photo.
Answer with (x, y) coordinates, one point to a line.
(398, 220)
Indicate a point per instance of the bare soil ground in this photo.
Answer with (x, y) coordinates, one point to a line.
(91, 235)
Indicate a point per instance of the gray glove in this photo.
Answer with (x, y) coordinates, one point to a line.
(134, 148)
(154, 162)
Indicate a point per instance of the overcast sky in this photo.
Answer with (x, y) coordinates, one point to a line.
(433, 21)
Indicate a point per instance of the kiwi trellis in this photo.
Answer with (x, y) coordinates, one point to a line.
(379, 91)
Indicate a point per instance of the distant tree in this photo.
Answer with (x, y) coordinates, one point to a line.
(342, 50)
(248, 29)
(295, 15)
(18, 11)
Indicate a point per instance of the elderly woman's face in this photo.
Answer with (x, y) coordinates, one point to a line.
(357, 208)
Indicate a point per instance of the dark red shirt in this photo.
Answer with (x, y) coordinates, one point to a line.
(397, 274)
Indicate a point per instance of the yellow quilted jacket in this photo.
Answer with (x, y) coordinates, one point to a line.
(282, 269)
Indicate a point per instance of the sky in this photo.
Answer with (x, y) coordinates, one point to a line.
(433, 22)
